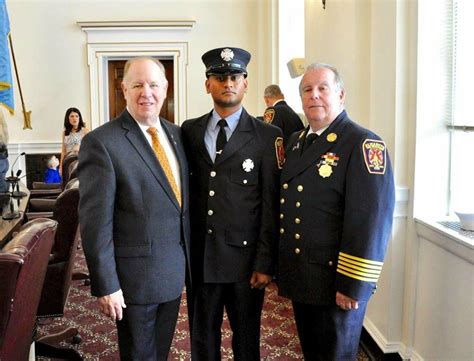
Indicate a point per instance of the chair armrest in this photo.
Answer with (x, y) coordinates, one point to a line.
(33, 215)
(41, 205)
(43, 185)
(45, 193)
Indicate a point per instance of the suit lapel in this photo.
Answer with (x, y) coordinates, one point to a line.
(297, 162)
(243, 134)
(144, 150)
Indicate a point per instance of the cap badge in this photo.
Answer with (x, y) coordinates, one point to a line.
(227, 54)
(247, 165)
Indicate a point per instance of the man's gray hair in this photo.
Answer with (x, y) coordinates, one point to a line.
(337, 76)
(273, 91)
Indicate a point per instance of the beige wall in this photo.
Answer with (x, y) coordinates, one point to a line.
(51, 52)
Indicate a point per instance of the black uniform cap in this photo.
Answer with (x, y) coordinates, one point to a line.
(226, 61)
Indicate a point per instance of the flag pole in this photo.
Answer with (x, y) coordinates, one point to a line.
(26, 115)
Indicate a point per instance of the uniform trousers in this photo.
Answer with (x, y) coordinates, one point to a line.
(328, 333)
(243, 306)
(145, 332)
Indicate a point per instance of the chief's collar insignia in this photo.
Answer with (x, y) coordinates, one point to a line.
(331, 137)
(227, 54)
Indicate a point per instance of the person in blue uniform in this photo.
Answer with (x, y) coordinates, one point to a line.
(336, 210)
(234, 163)
(279, 113)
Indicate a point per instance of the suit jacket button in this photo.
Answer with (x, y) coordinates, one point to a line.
(282, 216)
(210, 212)
(300, 188)
(297, 250)
(211, 193)
(297, 220)
(282, 230)
(213, 174)
(297, 236)
(298, 204)
(282, 200)
(285, 186)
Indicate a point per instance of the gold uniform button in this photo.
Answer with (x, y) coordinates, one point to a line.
(297, 236)
(330, 263)
(298, 204)
(281, 216)
(282, 200)
(297, 220)
(244, 243)
(245, 181)
(210, 212)
(211, 193)
(282, 230)
(213, 174)
(285, 186)
(300, 188)
(297, 250)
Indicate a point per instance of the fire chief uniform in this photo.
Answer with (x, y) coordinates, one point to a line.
(234, 230)
(337, 200)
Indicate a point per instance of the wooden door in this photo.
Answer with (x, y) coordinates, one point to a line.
(116, 99)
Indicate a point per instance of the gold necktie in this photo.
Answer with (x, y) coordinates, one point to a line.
(163, 159)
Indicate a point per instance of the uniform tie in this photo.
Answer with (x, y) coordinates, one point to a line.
(221, 140)
(310, 138)
(165, 164)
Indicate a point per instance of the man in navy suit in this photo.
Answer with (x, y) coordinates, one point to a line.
(134, 215)
(337, 200)
(234, 162)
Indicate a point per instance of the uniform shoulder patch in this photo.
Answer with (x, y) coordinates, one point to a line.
(375, 155)
(268, 115)
(280, 152)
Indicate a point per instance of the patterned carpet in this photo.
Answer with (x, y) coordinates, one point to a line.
(99, 338)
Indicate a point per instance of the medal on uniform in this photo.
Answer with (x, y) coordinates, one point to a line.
(247, 165)
(325, 170)
(325, 165)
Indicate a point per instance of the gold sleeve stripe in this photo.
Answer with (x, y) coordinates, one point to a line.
(341, 254)
(364, 274)
(347, 260)
(357, 277)
(362, 269)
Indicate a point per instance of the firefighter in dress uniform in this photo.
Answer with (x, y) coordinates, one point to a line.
(336, 210)
(279, 113)
(234, 161)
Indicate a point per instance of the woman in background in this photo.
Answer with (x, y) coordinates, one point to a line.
(74, 130)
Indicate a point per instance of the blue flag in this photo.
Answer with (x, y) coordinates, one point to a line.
(6, 84)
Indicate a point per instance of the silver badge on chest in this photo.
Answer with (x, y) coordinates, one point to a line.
(247, 165)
